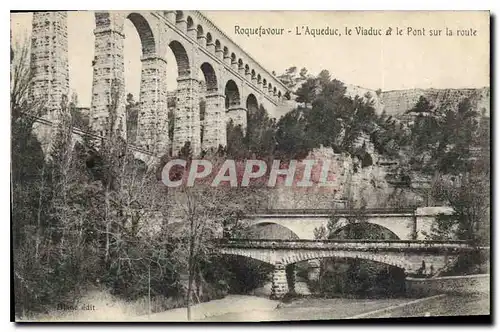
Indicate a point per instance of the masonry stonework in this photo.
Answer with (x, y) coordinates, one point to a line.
(279, 286)
(49, 66)
(153, 115)
(108, 79)
(187, 116)
(214, 124)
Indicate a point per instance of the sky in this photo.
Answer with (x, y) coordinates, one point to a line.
(376, 62)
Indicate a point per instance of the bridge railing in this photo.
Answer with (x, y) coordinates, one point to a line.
(235, 240)
(347, 244)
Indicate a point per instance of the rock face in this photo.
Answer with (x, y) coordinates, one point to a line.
(365, 186)
(397, 102)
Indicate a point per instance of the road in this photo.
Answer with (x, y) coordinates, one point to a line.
(326, 309)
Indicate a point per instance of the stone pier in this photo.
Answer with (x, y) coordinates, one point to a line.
(108, 75)
(291, 277)
(214, 124)
(279, 283)
(187, 116)
(153, 117)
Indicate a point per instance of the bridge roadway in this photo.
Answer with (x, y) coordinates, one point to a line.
(409, 255)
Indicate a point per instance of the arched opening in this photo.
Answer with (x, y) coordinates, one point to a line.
(274, 91)
(190, 23)
(145, 33)
(352, 276)
(177, 66)
(179, 16)
(209, 76)
(270, 231)
(264, 82)
(364, 231)
(181, 57)
(247, 69)
(279, 94)
(209, 39)
(139, 42)
(259, 79)
(232, 94)
(233, 58)
(199, 31)
(269, 88)
(217, 45)
(252, 104)
(208, 79)
(244, 274)
(253, 74)
(226, 52)
(240, 64)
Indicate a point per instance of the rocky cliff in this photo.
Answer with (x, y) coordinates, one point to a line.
(396, 102)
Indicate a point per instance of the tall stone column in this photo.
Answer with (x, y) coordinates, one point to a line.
(108, 74)
(279, 284)
(214, 124)
(187, 116)
(152, 126)
(239, 116)
(49, 69)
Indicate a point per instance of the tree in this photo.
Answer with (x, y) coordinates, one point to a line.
(260, 137)
(306, 92)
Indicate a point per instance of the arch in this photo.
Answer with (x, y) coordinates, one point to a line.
(274, 90)
(179, 16)
(251, 103)
(264, 82)
(145, 33)
(275, 231)
(210, 76)
(199, 31)
(251, 255)
(303, 231)
(190, 23)
(247, 69)
(233, 58)
(270, 87)
(181, 57)
(259, 79)
(376, 231)
(232, 94)
(253, 73)
(226, 52)
(279, 94)
(292, 256)
(240, 63)
(209, 39)
(217, 45)
(300, 256)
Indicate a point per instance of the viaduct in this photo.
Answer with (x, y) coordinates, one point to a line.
(235, 83)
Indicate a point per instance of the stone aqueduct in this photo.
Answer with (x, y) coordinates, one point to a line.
(235, 82)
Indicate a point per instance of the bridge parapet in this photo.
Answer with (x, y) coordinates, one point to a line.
(371, 245)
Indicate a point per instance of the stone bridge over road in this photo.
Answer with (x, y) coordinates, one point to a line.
(406, 224)
(407, 255)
